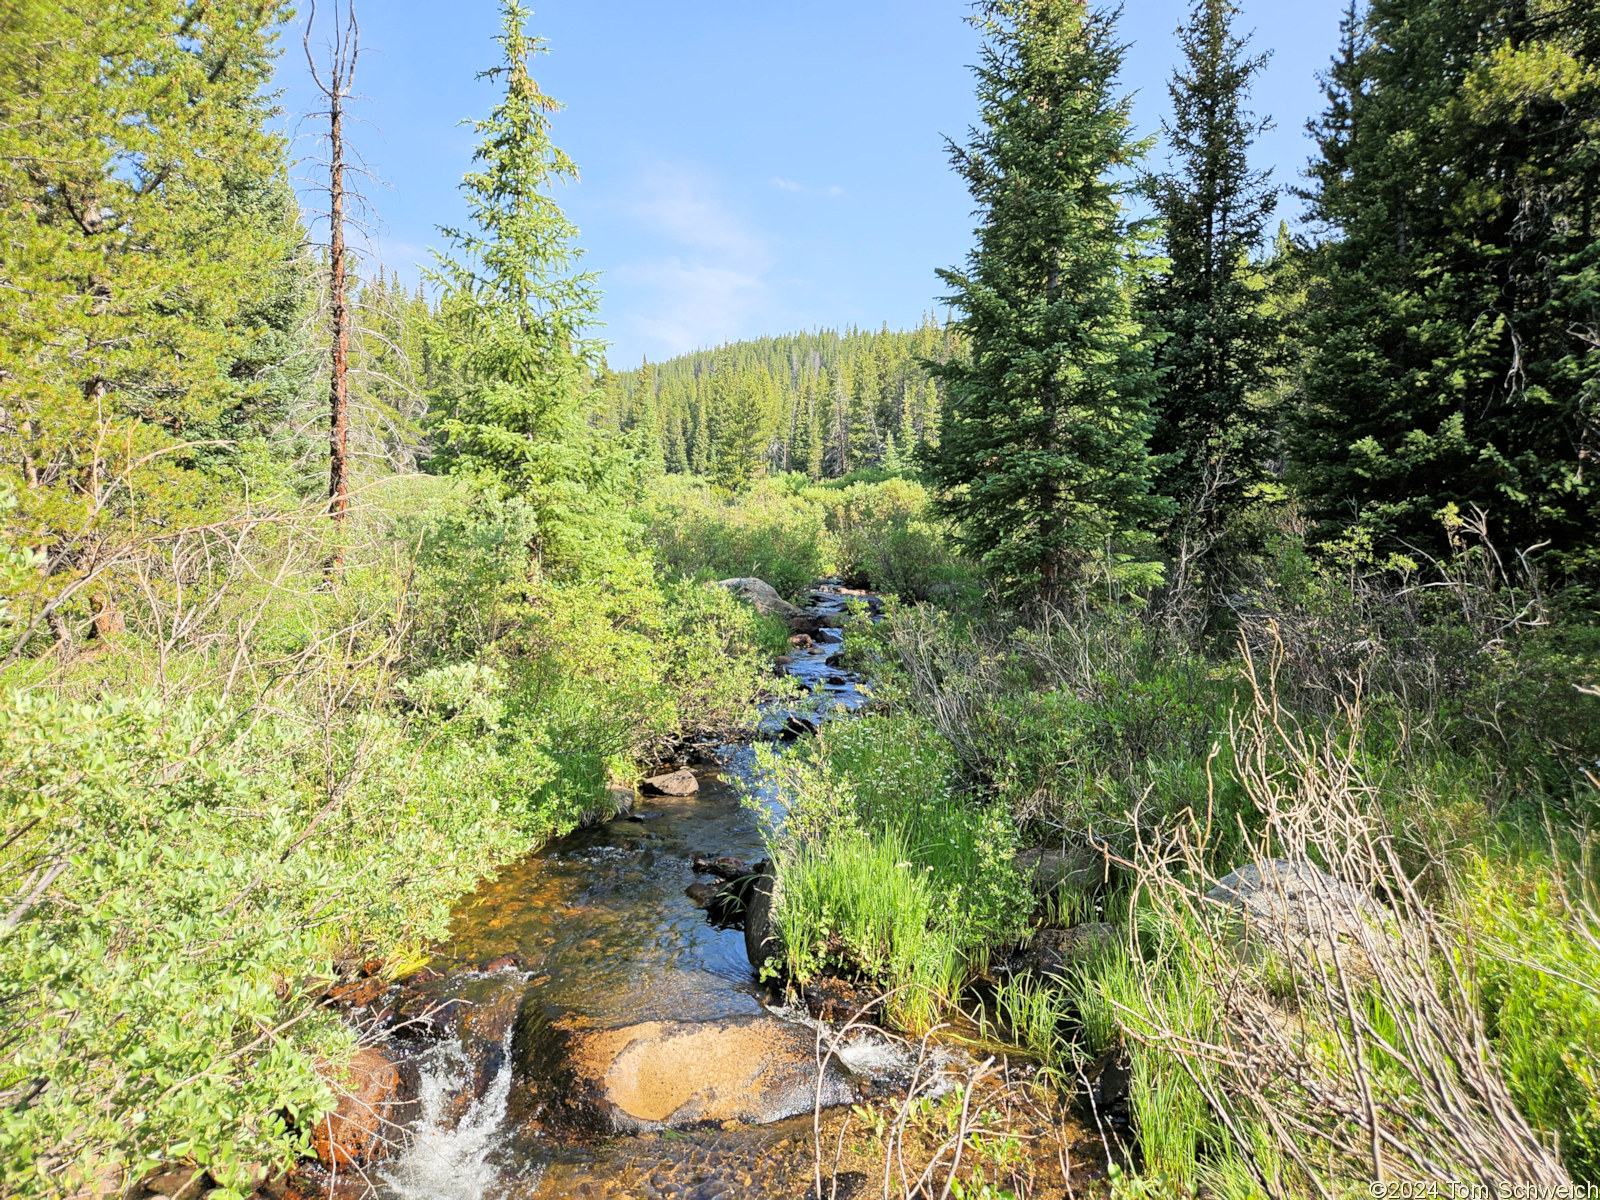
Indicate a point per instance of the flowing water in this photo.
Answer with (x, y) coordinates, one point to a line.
(604, 936)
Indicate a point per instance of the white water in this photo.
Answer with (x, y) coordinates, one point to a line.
(445, 1160)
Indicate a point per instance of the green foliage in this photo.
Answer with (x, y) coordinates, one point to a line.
(769, 532)
(1209, 300)
(512, 316)
(823, 403)
(887, 870)
(162, 996)
(1042, 455)
(1537, 937)
(223, 844)
(874, 530)
(1452, 356)
(153, 268)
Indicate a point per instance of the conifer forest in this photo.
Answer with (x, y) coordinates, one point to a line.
(1134, 734)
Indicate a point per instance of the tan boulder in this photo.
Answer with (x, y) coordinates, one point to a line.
(673, 783)
(666, 1074)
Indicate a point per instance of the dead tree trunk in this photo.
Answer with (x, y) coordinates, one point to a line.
(342, 53)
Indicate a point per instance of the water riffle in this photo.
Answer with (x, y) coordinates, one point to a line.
(605, 935)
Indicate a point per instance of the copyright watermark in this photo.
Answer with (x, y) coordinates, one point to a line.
(1411, 1189)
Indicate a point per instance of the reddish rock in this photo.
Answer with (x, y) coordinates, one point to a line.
(360, 994)
(804, 640)
(506, 962)
(370, 1092)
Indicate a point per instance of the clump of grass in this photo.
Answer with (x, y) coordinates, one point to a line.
(861, 907)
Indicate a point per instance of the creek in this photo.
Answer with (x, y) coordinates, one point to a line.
(604, 936)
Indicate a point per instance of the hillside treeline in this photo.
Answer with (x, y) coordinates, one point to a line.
(824, 403)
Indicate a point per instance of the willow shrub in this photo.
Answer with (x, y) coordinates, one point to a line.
(190, 848)
(769, 531)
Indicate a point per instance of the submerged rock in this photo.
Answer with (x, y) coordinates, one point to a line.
(723, 866)
(668, 1074)
(673, 783)
(1053, 951)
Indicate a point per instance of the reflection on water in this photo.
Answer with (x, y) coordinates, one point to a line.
(606, 936)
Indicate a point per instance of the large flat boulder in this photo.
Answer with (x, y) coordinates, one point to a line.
(668, 1074)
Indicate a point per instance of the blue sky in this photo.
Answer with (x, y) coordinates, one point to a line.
(747, 168)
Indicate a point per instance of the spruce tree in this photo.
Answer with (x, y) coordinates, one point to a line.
(153, 278)
(515, 308)
(808, 435)
(1043, 458)
(700, 441)
(1220, 343)
(1453, 326)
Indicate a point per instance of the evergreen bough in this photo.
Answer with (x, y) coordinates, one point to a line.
(1043, 457)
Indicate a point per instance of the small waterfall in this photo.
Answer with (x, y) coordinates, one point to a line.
(449, 1160)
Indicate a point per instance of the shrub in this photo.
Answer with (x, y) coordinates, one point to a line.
(768, 532)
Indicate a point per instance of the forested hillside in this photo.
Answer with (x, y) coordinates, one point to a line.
(1231, 681)
(823, 404)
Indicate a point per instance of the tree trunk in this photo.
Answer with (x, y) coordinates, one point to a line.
(338, 388)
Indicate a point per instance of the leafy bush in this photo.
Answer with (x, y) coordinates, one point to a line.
(887, 871)
(888, 541)
(875, 532)
(768, 531)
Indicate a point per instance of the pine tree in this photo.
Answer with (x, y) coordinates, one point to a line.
(1220, 343)
(515, 309)
(1452, 349)
(807, 453)
(700, 442)
(1042, 459)
(153, 278)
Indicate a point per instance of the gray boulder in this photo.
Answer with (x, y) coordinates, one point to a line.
(1294, 907)
(1080, 869)
(764, 598)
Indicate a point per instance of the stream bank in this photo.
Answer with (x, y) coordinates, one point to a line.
(591, 1029)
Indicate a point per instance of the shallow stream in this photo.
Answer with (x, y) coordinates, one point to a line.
(605, 935)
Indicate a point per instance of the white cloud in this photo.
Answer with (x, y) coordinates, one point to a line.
(711, 276)
(787, 185)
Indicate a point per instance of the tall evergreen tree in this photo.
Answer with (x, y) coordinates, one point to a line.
(700, 441)
(1043, 454)
(1220, 342)
(807, 453)
(515, 309)
(1453, 329)
(152, 273)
